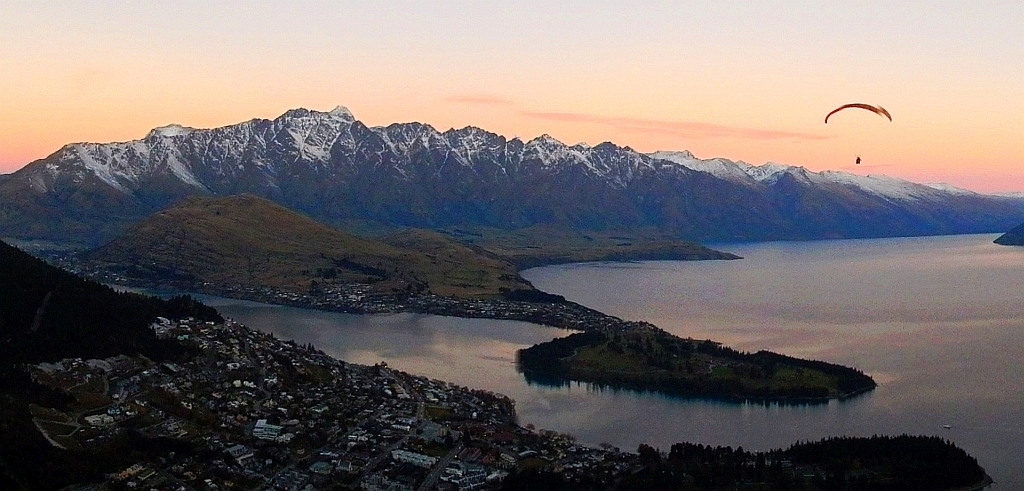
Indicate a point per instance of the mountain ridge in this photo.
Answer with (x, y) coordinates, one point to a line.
(336, 169)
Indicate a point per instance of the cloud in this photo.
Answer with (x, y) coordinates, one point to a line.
(682, 129)
(487, 100)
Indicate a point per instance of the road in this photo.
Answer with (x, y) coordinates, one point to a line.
(441, 465)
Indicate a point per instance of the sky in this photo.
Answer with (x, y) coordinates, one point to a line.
(743, 80)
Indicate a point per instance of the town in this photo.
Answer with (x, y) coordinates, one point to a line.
(249, 411)
(360, 298)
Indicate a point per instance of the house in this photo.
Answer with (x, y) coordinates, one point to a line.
(413, 458)
(240, 453)
(266, 431)
(100, 420)
(322, 468)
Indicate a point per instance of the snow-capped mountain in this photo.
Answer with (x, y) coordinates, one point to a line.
(743, 173)
(334, 168)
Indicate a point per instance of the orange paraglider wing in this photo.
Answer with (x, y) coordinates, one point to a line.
(879, 110)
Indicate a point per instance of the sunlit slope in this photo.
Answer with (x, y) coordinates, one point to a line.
(544, 245)
(250, 241)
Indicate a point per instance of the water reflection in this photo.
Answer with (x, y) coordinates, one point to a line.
(936, 321)
(557, 382)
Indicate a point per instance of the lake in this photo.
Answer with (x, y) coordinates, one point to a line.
(937, 321)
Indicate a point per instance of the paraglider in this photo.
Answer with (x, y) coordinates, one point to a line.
(879, 110)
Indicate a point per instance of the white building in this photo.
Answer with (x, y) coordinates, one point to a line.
(266, 431)
(414, 458)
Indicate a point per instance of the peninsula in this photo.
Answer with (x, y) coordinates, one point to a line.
(140, 393)
(251, 248)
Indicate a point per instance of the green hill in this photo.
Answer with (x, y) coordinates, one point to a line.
(250, 241)
(544, 245)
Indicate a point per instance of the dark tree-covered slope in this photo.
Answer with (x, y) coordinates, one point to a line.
(48, 314)
(879, 463)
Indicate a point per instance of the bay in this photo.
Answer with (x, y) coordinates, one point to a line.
(937, 321)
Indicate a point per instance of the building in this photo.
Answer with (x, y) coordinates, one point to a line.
(414, 458)
(266, 431)
(240, 453)
(322, 468)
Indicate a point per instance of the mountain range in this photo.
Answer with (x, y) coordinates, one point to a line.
(341, 172)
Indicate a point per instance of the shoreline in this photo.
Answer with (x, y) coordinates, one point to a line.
(563, 315)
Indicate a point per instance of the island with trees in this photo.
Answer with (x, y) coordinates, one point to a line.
(656, 360)
(113, 391)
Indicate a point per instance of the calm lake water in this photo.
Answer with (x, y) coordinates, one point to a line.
(937, 321)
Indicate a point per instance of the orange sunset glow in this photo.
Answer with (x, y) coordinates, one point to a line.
(735, 80)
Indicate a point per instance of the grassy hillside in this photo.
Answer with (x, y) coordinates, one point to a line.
(544, 245)
(246, 240)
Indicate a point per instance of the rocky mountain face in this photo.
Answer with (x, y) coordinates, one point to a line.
(339, 171)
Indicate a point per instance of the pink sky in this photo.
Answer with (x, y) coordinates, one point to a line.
(738, 80)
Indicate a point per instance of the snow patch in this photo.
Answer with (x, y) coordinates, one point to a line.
(99, 169)
(182, 172)
(718, 167)
(170, 131)
(342, 113)
(886, 186)
(1010, 194)
(949, 188)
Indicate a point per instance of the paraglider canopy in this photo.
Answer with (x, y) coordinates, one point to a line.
(879, 110)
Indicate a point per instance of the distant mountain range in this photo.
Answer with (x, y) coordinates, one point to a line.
(337, 170)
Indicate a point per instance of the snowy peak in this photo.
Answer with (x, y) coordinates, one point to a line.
(303, 141)
(770, 172)
(342, 113)
(880, 185)
(169, 131)
(718, 167)
(333, 167)
(677, 156)
(889, 188)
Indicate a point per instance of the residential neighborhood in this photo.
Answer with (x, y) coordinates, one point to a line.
(249, 411)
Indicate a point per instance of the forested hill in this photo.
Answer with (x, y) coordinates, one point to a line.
(47, 314)
(658, 361)
(878, 463)
(1014, 237)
